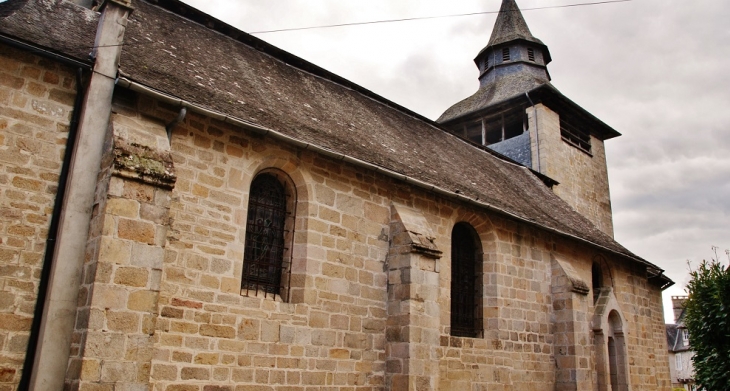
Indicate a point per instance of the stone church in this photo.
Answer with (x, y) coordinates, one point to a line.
(186, 207)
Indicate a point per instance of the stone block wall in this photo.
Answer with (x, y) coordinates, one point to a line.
(161, 306)
(205, 333)
(36, 101)
(355, 281)
(516, 352)
(412, 329)
(646, 340)
(583, 177)
(330, 332)
(113, 344)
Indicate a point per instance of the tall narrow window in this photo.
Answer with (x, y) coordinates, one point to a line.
(466, 285)
(531, 54)
(265, 259)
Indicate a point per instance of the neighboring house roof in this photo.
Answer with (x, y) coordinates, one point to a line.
(675, 342)
(671, 336)
(213, 65)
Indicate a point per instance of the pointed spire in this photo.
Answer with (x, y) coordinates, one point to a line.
(510, 25)
(512, 63)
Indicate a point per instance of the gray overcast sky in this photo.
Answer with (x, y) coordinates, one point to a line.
(658, 71)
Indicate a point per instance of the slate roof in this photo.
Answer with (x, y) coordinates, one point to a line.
(231, 72)
(671, 335)
(501, 90)
(509, 88)
(8, 8)
(512, 91)
(510, 26)
(60, 27)
(674, 338)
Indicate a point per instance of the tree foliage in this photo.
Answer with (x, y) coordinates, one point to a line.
(707, 318)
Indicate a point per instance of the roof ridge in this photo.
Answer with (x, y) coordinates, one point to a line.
(190, 13)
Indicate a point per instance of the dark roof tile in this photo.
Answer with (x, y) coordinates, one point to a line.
(501, 90)
(510, 26)
(187, 60)
(59, 26)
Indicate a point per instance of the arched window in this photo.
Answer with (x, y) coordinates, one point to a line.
(466, 284)
(617, 363)
(266, 258)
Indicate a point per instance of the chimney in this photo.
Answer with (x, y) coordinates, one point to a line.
(678, 306)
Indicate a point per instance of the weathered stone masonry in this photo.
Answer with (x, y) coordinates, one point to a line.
(160, 306)
(199, 330)
(36, 100)
(193, 329)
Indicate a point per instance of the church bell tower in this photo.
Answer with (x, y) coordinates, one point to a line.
(518, 113)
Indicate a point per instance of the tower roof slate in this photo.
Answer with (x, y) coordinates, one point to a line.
(183, 53)
(510, 26)
(513, 88)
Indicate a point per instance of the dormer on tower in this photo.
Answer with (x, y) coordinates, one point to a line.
(518, 113)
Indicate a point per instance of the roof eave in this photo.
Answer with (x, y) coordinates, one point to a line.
(152, 92)
(545, 93)
(548, 94)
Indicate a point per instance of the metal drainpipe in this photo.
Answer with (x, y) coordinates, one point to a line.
(52, 235)
(537, 132)
(57, 326)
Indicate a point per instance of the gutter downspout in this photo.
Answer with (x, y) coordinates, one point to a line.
(59, 308)
(537, 133)
(52, 235)
(180, 118)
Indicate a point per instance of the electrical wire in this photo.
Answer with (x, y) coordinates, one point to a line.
(397, 20)
(429, 17)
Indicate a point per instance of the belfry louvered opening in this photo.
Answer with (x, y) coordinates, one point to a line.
(575, 136)
(266, 259)
(466, 282)
(505, 54)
